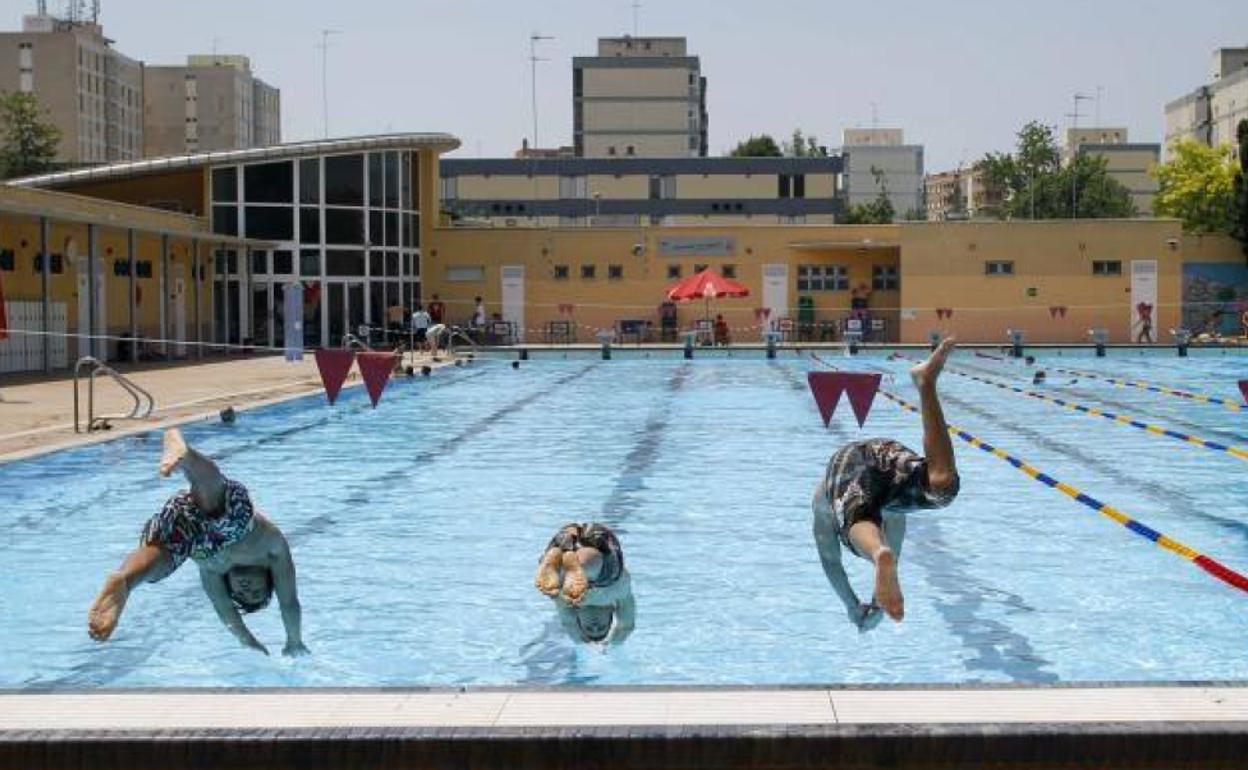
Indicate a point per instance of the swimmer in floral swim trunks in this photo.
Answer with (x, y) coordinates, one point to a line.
(582, 569)
(869, 486)
(243, 558)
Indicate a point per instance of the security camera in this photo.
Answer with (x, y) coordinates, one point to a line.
(639, 249)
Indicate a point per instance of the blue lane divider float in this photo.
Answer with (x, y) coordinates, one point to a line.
(1206, 563)
(1122, 419)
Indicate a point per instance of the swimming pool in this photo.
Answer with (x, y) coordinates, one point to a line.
(416, 528)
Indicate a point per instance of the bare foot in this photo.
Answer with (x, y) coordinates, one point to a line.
(887, 586)
(175, 450)
(575, 582)
(106, 611)
(548, 572)
(925, 374)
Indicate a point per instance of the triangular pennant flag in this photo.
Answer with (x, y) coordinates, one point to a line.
(375, 368)
(861, 390)
(827, 388)
(1243, 388)
(1053, 311)
(1062, 311)
(333, 365)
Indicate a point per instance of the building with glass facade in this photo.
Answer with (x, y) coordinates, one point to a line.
(343, 220)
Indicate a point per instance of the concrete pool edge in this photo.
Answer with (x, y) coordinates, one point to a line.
(1135, 725)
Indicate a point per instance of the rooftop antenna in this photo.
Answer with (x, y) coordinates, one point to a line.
(324, 46)
(1074, 151)
(636, 9)
(534, 39)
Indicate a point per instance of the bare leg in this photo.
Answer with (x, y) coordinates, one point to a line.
(207, 483)
(548, 572)
(867, 539)
(937, 446)
(147, 563)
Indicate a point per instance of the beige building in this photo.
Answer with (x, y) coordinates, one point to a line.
(879, 158)
(213, 103)
(963, 193)
(639, 97)
(1210, 113)
(92, 93)
(579, 192)
(1126, 162)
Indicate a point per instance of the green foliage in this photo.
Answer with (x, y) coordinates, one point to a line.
(1038, 186)
(27, 144)
(1239, 224)
(801, 146)
(761, 146)
(879, 211)
(1197, 186)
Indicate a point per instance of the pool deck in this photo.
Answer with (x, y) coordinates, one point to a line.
(37, 411)
(1146, 726)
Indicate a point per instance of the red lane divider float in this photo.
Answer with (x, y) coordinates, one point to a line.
(1208, 564)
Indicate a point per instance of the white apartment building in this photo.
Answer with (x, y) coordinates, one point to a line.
(1210, 113)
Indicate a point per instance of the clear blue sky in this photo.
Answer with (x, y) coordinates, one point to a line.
(960, 77)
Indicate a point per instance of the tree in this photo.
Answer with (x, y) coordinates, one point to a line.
(1239, 225)
(879, 211)
(1197, 185)
(1037, 186)
(801, 146)
(27, 144)
(761, 146)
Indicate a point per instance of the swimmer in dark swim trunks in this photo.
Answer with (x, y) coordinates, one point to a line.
(868, 488)
(583, 570)
(243, 558)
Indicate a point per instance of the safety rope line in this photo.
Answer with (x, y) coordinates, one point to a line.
(1203, 398)
(1156, 430)
(1206, 563)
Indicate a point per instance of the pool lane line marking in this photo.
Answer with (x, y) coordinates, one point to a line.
(1202, 398)
(1206, 563)
(1122, 419)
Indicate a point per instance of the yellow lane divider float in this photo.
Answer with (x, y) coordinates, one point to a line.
(1157, 430)
(1209, 565)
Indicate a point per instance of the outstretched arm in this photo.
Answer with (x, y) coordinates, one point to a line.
(287, 595)
(214, 585)
(145, 564)
(625, 618)
(829, 547)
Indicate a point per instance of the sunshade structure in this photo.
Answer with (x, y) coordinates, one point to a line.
(705, 285)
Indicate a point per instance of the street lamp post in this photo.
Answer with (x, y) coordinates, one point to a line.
(597, 207)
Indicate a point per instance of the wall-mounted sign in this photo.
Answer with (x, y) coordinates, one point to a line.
(697, 246)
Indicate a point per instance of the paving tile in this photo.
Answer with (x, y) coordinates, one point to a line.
(585, 708)
(753, 707)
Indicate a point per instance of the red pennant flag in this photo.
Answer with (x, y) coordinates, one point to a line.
(762, 313)
(1052, 311)
(1243, 388)
(333, 365)
(827, 388)
(375, 368)
(1062, 311)
(948, 312)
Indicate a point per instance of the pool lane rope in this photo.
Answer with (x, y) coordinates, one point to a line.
(1209, 565)
(1156, 430)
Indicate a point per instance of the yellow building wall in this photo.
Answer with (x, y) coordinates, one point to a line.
(624, 187)
(635, 81)
(634, 115)
(820, 185)
(518, 188)
(719, 186)
(942, 266)
(644, 145)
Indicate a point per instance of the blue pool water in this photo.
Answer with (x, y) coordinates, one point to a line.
(416, 528)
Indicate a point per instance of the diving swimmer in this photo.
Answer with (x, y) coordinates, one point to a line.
(582, 570)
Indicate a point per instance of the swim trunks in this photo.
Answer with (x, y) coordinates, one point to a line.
(866, 477)
(183, 530)
(598, 536)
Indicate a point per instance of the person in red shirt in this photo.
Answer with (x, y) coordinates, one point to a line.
(722, 336)
(437, 309)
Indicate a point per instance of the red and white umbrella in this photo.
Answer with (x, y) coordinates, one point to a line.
(705, 285)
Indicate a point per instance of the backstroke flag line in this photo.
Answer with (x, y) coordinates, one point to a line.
(375, 368)
(827, 388)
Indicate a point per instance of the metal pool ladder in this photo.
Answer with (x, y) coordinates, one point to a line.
(143, 401)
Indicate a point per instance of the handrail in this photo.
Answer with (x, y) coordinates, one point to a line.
(139, 411)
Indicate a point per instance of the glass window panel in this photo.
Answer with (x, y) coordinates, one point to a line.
(344, 226)
(283, 262)
(310, 262)
(312, 294)
(260, 313)
(275, 223)
(392, 180)
(375, 264)
(279, 312)
(310, 180)
(375, 179)
(225, 220)
(377, 303)
(268, 182)
(225, 184)
(392, 294)
(344, 180)
(411, 236)
(309, 225)
(344, 262)
(413, 191)
(415, 264)
(375, 233)
(407, 264)
(392, 263)
(337, 320)
(259, 261)
(392, 229)
(405, 180)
